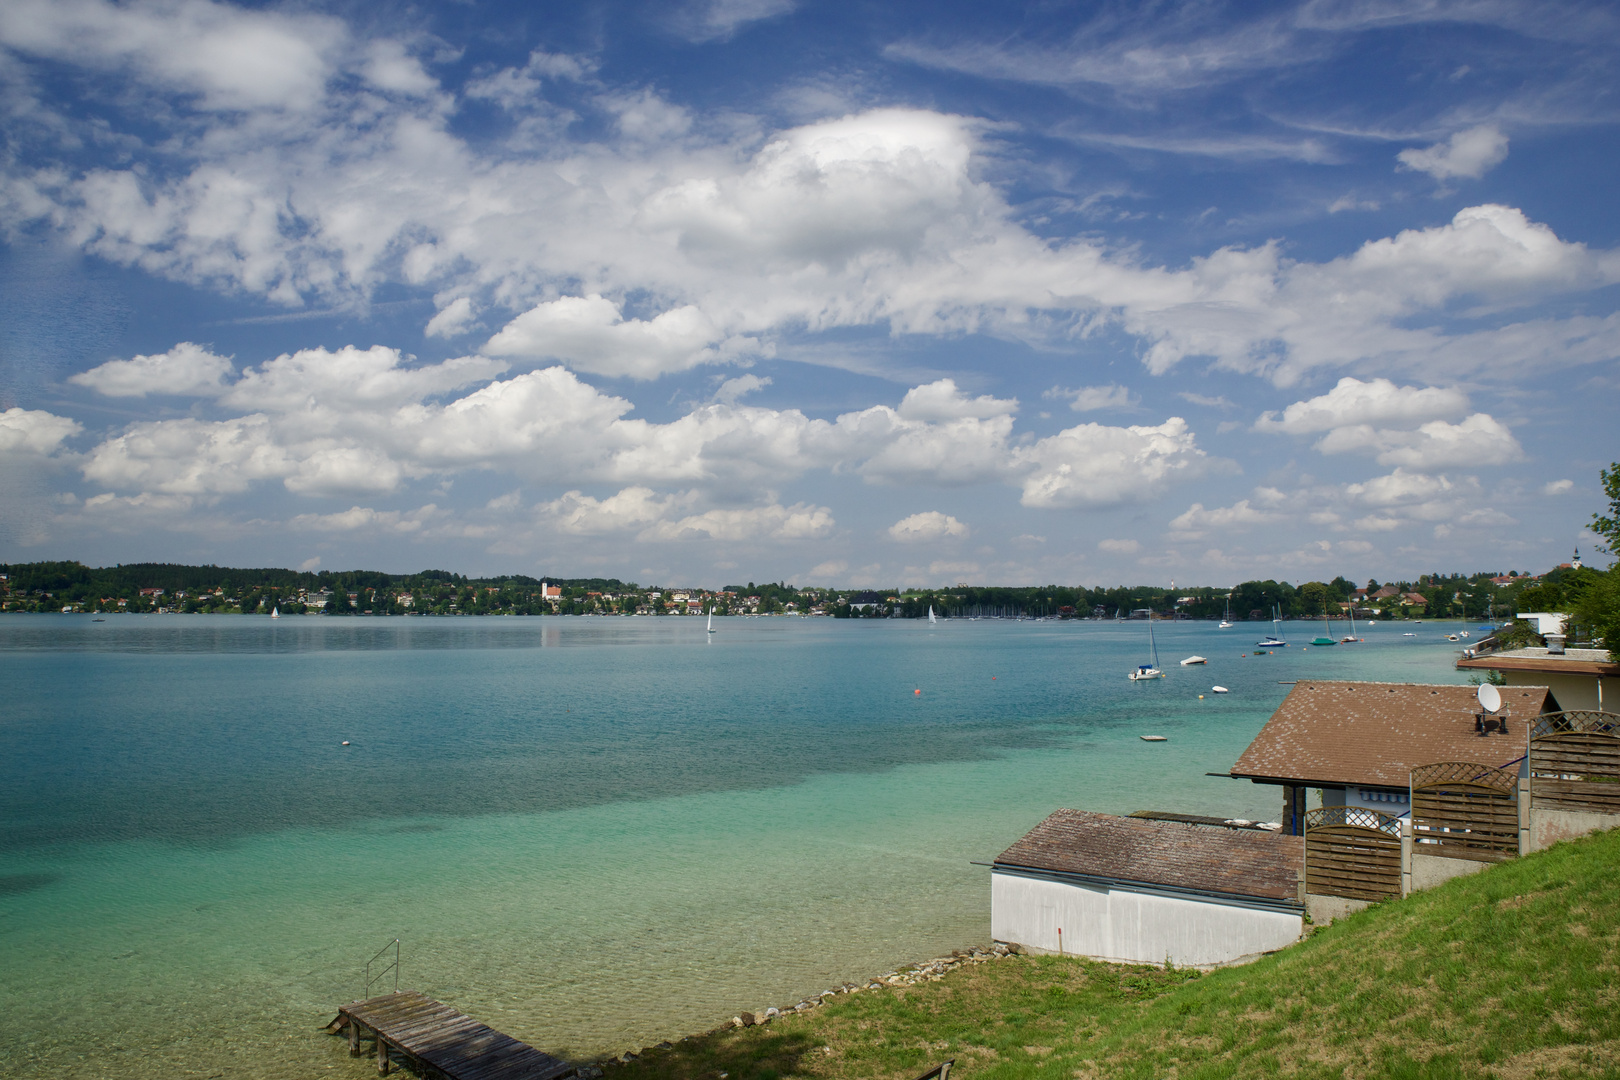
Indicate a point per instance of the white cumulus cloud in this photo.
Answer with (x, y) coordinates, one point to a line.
(1468, 154)
(186, 369)
(1239, 515)
(34, 431)
(1376, 402)
(927, 527)
(1094, 466)
(589, 333)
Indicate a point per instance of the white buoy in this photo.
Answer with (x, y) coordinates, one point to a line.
(345, 742)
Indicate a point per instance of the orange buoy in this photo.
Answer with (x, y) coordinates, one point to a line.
(916, 691)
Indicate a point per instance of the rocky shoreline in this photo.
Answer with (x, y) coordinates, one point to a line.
(907, 975)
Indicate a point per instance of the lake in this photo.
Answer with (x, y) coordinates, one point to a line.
(592, 833)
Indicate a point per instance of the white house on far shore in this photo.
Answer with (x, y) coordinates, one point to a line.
(1140, 891)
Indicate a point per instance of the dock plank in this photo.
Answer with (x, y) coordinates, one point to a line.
(450, 1041)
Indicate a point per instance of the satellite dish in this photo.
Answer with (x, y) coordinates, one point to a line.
(1490, 698)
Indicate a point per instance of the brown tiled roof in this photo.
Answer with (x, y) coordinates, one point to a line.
(1233, 862)
(1375, 734)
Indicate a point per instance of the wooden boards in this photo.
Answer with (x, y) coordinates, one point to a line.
(444, 1040)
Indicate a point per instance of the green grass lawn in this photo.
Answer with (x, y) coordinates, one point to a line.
(1508, 973)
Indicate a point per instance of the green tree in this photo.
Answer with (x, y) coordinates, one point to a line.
(1608, 526)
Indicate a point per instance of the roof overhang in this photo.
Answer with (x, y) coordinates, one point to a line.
(1301, 781)
(1543, 665)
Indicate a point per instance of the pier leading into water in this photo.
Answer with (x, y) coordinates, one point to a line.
(439, 1042)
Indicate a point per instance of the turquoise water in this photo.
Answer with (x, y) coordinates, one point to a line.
(591, 833)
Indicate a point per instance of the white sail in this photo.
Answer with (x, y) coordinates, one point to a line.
(931, 619)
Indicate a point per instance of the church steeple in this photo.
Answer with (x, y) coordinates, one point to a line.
(1576, 561)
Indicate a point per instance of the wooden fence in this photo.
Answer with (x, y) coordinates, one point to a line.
(1352, 852)
(1464, 810)
(1575, 761)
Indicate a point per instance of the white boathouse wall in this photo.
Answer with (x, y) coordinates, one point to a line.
(1135, 926)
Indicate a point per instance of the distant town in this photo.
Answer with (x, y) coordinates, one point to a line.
(162, 588)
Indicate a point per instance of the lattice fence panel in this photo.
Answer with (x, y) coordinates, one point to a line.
(1464, 810)
(1575, 762)
(1352, 852)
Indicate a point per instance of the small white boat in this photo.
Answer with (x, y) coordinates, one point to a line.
(1226, 623)
(1145, 672)
(1219, 690)
(1193, 660)
(1153, 738)
(711, 618)
(1409, 634)
(275, 613)
(931, 619)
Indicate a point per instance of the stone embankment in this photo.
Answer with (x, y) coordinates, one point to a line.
(910, 975)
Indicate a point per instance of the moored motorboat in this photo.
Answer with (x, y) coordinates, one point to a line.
(1193, 660)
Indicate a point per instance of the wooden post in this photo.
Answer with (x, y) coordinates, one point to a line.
(354, 1037)
(382, 1055)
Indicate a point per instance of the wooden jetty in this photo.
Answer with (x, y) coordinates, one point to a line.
(439, 1042)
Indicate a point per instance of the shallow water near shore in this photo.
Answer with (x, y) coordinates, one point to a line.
(591, 833)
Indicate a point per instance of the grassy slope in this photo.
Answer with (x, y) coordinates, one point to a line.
(1509, 973)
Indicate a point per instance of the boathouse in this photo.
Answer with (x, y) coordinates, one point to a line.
(1359, 742)
(1142, 891)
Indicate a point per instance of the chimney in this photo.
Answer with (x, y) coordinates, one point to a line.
(1555, 644)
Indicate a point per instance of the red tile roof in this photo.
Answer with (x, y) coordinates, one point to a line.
(1375, 734)
(1231, 862)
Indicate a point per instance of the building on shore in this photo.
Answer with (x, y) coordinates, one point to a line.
(1359, 742)
(1142, 891)
(1578, 678)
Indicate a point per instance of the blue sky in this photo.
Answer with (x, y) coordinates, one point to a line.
(841, 294)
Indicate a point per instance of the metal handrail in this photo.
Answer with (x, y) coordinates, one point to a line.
(392, 965)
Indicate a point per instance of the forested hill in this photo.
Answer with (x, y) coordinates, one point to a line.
(53, 586)
(50, 586)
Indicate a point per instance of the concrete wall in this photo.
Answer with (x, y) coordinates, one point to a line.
(1431, 870)
(1124, 925)
(1324, 909)
(1547, 827)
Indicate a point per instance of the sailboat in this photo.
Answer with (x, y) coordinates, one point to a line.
(1273, 640)
(275, 612)
(1149, 671)
(931, 619)
(1352, 637)
(711, 618)
(1324, 638)
(1226, 623)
